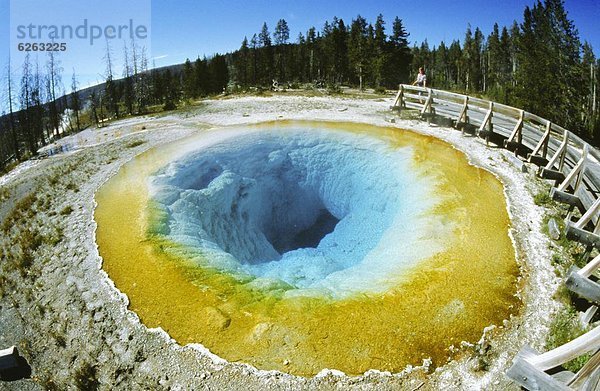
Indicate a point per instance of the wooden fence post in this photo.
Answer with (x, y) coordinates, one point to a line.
(463, 116)
(535, 157)
(487, 121)
(517, 133)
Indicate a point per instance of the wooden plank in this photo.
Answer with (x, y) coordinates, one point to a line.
(551, 174)
(590, 267)
(583, 286)
(566, 198)
(588, 215)
(398, 102)
(454, 95)
(575, 173)
(516, 133)
(427, 107)
(586, 372)
(413, 105)
(539, 161)
(542, 145)
(410, 87)
(588, 342)
(530, 377)
(559, 155)
(583, 237)
(593, 382)
(414, 96)
(488, 117)
(532, 117)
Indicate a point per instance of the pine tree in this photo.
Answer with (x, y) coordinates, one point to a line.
(455, 66)
(94, 105)
(590, 92)
(472, 59)
(421, 58)
(170, 93)
(281, 37)
(201, 77)
(357, 48)
(189, 82)
(219, 74)
(380, 48)
(440, 71)
(493, 61)
(242, 63)
(549, 73)
(265, 59)
(311, 39)
(37, 106)
(400, 53)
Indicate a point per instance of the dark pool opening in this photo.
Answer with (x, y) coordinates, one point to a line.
(306, 238)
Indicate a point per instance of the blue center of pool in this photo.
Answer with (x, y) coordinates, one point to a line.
(314, 209)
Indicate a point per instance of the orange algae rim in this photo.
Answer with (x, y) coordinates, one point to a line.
(439, 305)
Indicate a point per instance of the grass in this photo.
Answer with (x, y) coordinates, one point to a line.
(54, 179)
(135, 143)
(9, 167)
(4, 193)
(67, 210)
(565, 328)
(380, 90)
(55, 238)
(542, 198)
(22, 208)
(73, 187)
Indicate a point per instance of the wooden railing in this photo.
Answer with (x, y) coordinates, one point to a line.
(574, 168)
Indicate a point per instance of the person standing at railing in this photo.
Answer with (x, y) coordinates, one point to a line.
(421, 78)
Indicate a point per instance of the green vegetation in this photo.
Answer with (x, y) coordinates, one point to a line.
(135, 143)
(517, 65)
(566, 327)
(542, 198)
(23, 207)
(72, 186)
(67, 210)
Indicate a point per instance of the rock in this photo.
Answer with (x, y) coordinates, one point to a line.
(553, 229)
(216, 319)
(260, 331)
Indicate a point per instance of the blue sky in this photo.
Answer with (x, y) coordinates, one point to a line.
(188, 28)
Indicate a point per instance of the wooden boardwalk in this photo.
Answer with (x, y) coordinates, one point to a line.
(573, 166)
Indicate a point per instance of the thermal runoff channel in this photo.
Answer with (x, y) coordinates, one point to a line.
(303, 246)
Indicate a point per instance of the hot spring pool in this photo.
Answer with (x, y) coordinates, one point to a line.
(300, 246)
